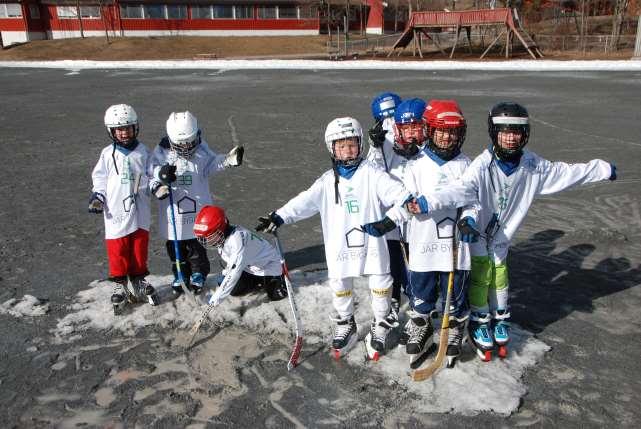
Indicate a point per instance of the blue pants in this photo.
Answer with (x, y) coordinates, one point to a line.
(397, 268)
(426, 286)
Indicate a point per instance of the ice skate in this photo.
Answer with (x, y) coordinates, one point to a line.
(197, 282)
(455, 341)
(420, 335)
(345, 336)
(377, 336)
(176, 286)
(501, 332)
(480, 335)
(142, 290)
(118, 298)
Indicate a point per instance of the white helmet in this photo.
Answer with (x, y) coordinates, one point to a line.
(344, 128)
(121, 115)
(183, 133)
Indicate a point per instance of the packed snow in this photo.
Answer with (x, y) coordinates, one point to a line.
(29, 305)
(471, 387)
(512, 65)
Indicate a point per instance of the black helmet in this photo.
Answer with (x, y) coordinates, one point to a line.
(508, 116)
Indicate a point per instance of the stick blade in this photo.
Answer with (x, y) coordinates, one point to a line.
(293, 359)
(425, 373)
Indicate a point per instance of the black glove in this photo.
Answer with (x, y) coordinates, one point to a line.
(468, 230)
(160, 191)
(379, 228)
(235, 157)
(377, 135)
(96, 203)
(167, 174)
(269, 223)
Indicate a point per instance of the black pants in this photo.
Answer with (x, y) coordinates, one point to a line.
(193, 258)
(397, 268)
(274, 286)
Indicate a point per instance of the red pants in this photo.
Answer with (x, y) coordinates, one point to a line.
(128, 255)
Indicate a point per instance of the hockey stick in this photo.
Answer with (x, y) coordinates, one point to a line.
(298, 325)
(422, 374)
(179, 273)
(194, 329)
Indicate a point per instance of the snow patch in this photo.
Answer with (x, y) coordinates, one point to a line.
(29, 305)
(469, 388)
(514, 65)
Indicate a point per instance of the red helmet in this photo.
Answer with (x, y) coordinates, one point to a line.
(445, 115)
(210, 226)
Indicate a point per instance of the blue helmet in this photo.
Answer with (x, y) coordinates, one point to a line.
(383, 105)
(410, 111)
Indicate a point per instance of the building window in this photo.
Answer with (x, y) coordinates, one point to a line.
(223, 11)
(10, 10)
(244, 12)
(267, 12)
(68, 12)
(287, 12)
(154, 11)
(34, 11)
(131, 11)
(308, 12)
(201, 12)
(176, 12)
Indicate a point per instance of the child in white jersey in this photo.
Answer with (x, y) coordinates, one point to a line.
(440, 165)
(251, 262)
(506, 179)
(120, 192)
(347, 197)
(183, 161)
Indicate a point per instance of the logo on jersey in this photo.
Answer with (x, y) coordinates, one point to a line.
(184, 180)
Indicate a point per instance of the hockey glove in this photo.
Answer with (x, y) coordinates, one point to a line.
(234, 157)
(468, 230)
(167, 174)
(269, 223)
(418, 206)
(377, 135)
(96, 203)
(160, 191)
(613, 175)
(379, 228)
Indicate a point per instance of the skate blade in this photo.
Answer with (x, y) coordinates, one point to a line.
(484, 355)
(451, 361)
(339, 353)
(371, 352)
(502, 351)
(119, 309)
(418, 359)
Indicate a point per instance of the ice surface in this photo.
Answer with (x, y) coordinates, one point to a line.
(472, 386)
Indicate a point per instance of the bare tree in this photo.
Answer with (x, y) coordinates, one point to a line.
(79, 15)
(617, 22)
(104, 20)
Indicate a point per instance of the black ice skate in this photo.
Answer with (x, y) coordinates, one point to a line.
(420, 335)
(375, 341)
(481, 338)
(454, 342)
(345, 336)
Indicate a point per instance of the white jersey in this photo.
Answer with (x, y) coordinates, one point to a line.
(246, 251)
(430, 235)
(396, 165)
(510, 197)
(349, 251)
(124, 185)
(190, 190)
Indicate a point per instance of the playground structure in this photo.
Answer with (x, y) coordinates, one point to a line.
(421, 22)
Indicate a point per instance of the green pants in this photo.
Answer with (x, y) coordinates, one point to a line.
(488, 285)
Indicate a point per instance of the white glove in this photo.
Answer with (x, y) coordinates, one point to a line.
(235, 157)
(161, 191)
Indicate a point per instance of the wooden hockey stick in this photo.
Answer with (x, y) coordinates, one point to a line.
(424, 373)
(298, 324)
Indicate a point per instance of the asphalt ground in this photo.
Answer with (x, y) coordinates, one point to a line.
(575, 265)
